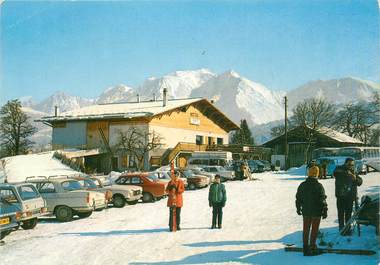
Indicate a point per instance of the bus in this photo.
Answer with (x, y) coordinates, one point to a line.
(365, 157)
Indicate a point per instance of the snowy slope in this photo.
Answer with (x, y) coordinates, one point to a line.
(18, 168)
(240, 98)
(117, 93)
(338, 91)
(259, 218)
(180, 84)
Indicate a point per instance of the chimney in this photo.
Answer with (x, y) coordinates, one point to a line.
(55, 111)
(154, 97)
(138, 98)
(164, 98)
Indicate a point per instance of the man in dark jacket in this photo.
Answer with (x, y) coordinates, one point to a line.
(311, 203)
(217, 198)
(346, 183)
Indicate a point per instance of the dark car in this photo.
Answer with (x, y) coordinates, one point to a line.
(267, 165)
(370, 211)
(256, 166)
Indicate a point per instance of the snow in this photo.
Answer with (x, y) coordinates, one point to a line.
(18, 168)
(259, 219)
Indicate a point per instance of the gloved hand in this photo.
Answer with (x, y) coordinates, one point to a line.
(171, 187)
(210, 204)
(299, 212)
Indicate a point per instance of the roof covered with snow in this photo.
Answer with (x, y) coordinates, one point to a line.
(327, 132)
(129, 110)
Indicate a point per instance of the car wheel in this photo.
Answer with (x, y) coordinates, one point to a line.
(85, 214)
(132, 202)
(118, 201)
(29, 224)
(192, 186)
(64, 213)
(147, 197)
(2, 235)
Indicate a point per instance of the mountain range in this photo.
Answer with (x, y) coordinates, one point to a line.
(234, 94)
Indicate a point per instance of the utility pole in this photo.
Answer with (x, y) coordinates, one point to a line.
(286, 133)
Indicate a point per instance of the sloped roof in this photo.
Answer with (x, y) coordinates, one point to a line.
(332, 134)
(128, 110)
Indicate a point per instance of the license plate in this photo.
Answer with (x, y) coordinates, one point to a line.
(4, 221)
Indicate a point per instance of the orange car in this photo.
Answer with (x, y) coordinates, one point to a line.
(153, 188)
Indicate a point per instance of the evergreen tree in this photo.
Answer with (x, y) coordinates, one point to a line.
(243, 136)
(15, 129)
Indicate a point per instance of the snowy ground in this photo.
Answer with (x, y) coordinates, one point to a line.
(259, 219)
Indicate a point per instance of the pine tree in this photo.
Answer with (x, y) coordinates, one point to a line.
(15, 129)
(243, 136)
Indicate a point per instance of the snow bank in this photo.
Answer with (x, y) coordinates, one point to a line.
(18, 168)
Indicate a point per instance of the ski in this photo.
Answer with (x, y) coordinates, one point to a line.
(362, 252)
(173, 194)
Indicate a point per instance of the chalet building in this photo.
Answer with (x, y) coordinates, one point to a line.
(298, 143)
(185, 125)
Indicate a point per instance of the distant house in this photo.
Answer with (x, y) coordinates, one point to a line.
(185, 125)
(298, 142)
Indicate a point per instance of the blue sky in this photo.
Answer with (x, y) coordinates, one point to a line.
(84, 47)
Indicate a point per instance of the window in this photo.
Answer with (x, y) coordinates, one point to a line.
(199, 139)
(27, 192)
(46, 187)
(136, 180)
(219, 141)
(8, 196)
(213, 169)
(88, 184)
(71, 185)
(124, 180)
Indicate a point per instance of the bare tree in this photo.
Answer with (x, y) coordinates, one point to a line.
(15, 129)
(313, 115)
(139, 143)
(357, 119)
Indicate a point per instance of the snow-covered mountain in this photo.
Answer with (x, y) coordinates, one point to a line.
(338, 91)
(117, 93)
(64, 102)
(180, 84)
(241, 98)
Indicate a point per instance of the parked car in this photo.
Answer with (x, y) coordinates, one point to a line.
(66, 197)
(153, 188)
(9, 217)
(116, 194)
(164, 176)
(224, 173)
(267, 165)
(194, 180)
(27, 199)
(255, 166)
(202, 172)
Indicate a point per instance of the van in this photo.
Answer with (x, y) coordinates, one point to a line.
(210, 158)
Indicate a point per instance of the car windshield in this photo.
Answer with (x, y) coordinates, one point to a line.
(188, 173)
(27, 192)
(71, 185)
(152, 177)
(88, 184)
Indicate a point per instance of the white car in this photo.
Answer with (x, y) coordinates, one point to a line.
(121, 194)
(66, 197)
(219, 170)
(27, 199)
(201, 171)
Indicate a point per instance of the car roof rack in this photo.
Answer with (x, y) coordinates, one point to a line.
(36, 178)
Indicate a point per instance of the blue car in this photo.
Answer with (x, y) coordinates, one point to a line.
(9, 215)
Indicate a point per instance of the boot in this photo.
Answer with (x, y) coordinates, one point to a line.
(306, 250)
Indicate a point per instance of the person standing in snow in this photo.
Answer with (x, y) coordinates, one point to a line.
(311, 204)
(346, 183)
(217, 198)
(175, 187)
(313, 170)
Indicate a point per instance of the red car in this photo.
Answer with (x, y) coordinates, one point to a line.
(153, 188)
